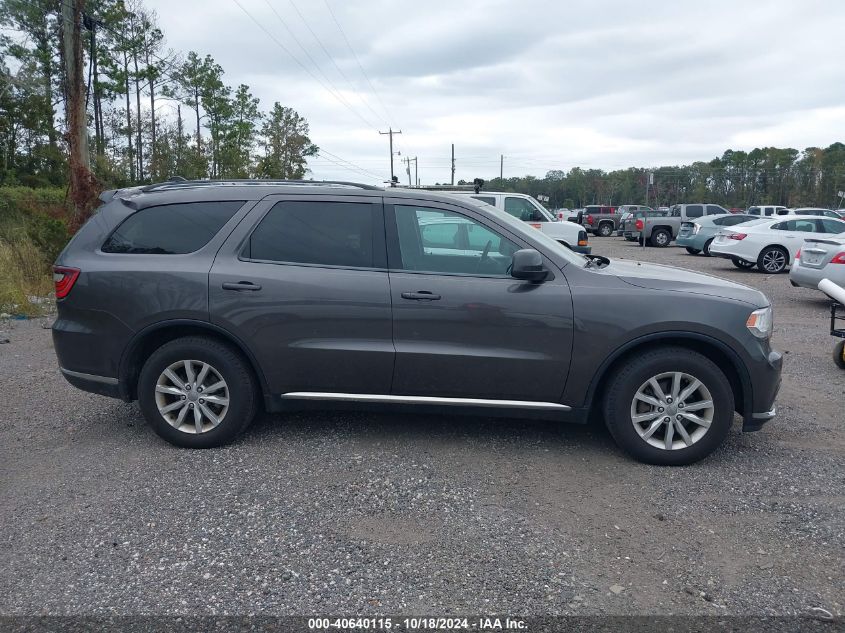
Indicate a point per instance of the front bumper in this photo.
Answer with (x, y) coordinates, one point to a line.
(765, 384)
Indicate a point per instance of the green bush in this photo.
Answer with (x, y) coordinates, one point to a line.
(33, 231)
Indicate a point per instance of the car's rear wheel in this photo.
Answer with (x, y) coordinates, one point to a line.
(706, 249)
(741, 263)
(670, 406)
(693, 251)
(773, 260)
(660, 238)
(196, 392)
(605, 229)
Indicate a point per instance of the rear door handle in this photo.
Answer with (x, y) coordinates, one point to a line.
(241, 285)
(422, 295)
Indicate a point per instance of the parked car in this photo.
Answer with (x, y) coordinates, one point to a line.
(627, 211)
(810, 211)
(840, 213)
(600, 219)
(629, 223)
(819, 258)
(697, 236)
(771, 244)
(524, 207)
(661, 231)
(765, 210)
(208, 302)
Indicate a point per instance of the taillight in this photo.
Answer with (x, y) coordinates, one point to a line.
(737, 236)
(640, 225)
(798, 254)
(64, 278)
(589, 219)
(839, 258)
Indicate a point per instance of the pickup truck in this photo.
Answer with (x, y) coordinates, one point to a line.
(660, 231)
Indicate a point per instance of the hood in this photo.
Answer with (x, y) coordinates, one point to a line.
(660, 277)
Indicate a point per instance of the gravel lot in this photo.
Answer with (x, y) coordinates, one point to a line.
(341, 513)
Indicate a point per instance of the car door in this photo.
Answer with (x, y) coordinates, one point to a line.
(794, 232)
(462, 326)
(303, 282)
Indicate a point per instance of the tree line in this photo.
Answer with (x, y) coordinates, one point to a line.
(152, 112)
(738, 179)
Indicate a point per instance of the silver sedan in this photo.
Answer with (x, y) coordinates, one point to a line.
(819, 258)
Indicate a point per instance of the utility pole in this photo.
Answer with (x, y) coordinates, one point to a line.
(407, 161)
(416, 172)
(501, 166)
(83, 185)
(453, 163)
(391, 133)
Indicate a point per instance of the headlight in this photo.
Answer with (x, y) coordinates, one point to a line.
(760, 322)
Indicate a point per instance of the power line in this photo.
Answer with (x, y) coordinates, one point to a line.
(336, 92)
(334, 63)
(391, 118)
(301, 65)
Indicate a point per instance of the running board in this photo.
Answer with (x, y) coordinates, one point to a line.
(465, 402)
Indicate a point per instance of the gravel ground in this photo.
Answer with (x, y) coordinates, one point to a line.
(342, 513)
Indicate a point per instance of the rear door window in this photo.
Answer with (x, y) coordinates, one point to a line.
(695, 210)
(347, 234)
(171, 229)
(488, 199)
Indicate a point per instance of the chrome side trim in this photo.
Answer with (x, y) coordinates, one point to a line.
(469, 402)
(78, 374)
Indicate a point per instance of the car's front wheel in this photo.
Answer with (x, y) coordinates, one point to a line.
(196, 392)
(670, 406)
(707, 246)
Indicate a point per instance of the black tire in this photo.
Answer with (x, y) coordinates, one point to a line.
(660, 238)
(773, 260)
(741, 263)
(624, 383)
(605, 229)
(839, 354)
(225, 361)
(693, 251)
(706, 249)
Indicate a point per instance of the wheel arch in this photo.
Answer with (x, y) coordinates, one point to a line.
(780, 247)
(146, 341)
(720, 353)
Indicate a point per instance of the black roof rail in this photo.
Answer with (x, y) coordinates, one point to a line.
(178, 184)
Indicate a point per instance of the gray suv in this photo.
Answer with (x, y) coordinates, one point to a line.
(209, 301)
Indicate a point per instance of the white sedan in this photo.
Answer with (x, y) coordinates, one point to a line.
(771, 244)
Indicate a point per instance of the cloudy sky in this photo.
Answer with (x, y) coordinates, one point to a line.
(549, 85)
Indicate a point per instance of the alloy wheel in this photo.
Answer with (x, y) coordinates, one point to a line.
(672, 410)
(774, 260)
(192, 396)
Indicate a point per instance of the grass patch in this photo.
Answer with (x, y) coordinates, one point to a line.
(24, 273)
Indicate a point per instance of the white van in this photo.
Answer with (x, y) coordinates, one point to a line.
(524, 207)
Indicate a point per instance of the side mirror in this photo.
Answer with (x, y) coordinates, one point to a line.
(528, 264)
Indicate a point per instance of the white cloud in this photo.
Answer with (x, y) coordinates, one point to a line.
(549, 85)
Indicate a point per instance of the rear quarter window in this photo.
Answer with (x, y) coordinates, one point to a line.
(171, 229)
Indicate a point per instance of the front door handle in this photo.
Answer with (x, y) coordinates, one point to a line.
(241, 285)
(422, 295)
